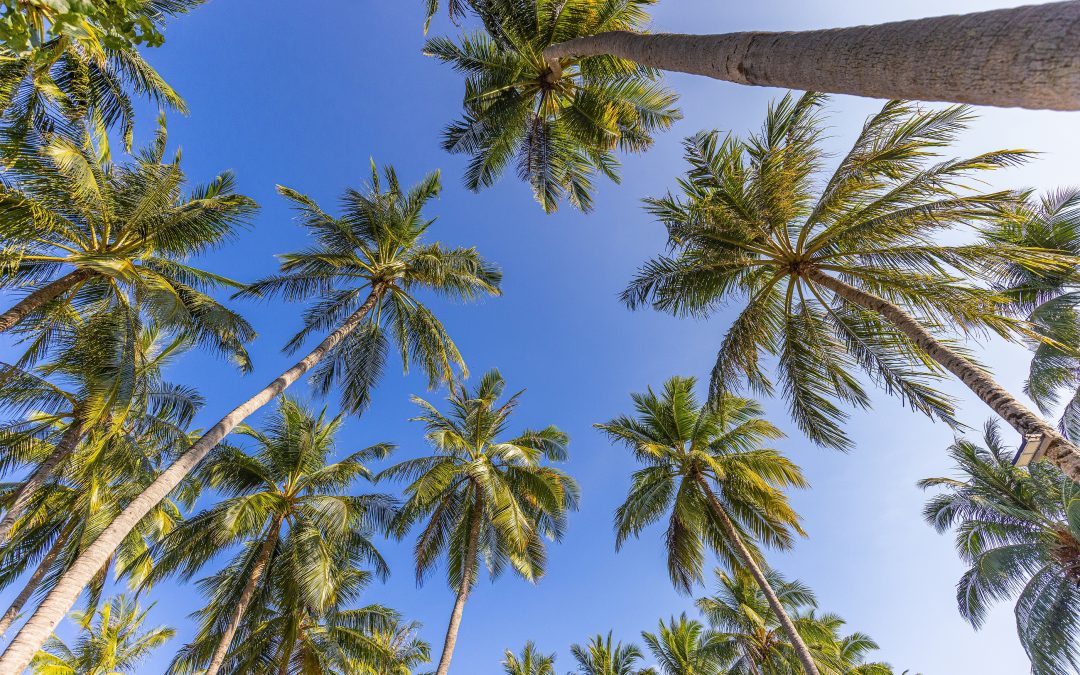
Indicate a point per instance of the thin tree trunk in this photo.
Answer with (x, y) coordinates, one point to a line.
(801, 650)
(69, 440)
(467, 579)
(1060, 451)
(42, 295)
(1023, 56)
(35, 579)
(57, 603)
(257, 570)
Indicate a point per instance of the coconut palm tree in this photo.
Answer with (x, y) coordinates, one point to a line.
(530, 662)
(559, 133)
(365, 270)
(1018, 532)
(285, 504)
(849, 276)
(402, 651)
(485, 497)
(708, 467)
(684, 647)
(602, 656)
(111, 641)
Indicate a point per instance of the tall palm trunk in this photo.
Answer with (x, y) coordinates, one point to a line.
(42, 295)
(69, 440)
(257, 571)
(1023, 56)
(57, 603)
(1060, 451)
(468, 577)
(35, 579)
(801, 650)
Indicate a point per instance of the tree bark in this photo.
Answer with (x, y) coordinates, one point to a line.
(35, 579)
(61, 598)
(42, 295)
(1060, 451)
(69, 440)
(801, 650)
(265, 551)
(1026, 57)
(468, 577)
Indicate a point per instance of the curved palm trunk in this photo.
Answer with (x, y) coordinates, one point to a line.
(35, 579)
(467, 579)
(801, 650)
(1023, 56)
(257, 570)
(64, 448)
(42, 295)
(57, 603)
(1060, 451)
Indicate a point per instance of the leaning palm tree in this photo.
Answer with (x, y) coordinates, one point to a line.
(1019, 533)
(530, 662)
(601, 655)
(286, 504)
(708, 467)
(111, 641)
(365, 270)
(558, 133)
(684, 647)
(845, 274)
(485, 498)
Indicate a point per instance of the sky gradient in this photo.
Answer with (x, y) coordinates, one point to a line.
(304, 94)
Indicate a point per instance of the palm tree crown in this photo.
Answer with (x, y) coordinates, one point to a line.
(530, 662)
(683, 646)
(601, 655)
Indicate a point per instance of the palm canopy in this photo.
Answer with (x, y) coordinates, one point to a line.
(558, 132)
(691, 450)
(1019, 532)
(757, 223)
(530, 662)
(119, 235)
(376, 248)
(111, 640)
(683, 646)
(601, 655)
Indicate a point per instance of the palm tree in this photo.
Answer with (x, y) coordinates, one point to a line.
(402, 650)
(1018, 532)
(707, 465)
(365, 270)
(285, 504)
(601, 656)
(884, 61)
(110, 643)
(484, 498)
(559, 133)
(530, 662)
(684, 647)
(849, 277)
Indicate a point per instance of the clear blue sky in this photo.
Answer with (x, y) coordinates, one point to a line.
(304, 93)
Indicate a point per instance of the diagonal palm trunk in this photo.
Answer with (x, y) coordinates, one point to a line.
(64, 448)
(1060, 451)
(468, 577)
(57, 603)
(1023, 56)
(48, 292)
(257, 571)
(801, 650)
(35, 579)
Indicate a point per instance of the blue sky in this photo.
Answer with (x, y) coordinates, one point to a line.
(304, 94)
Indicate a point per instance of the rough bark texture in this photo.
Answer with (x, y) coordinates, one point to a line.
(60, 600)
(42, 295)
(801, 650)
(1027, 57)
(257, 570)
(34, 581)
(1060, 451)
(467, 579)
(69, 440)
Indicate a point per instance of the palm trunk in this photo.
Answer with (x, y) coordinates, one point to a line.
(64, 448)
(42, 295)
(467, 579)
(35, 579)
(1023, 56)
(52, 610)
(801, 650)
(257, 570)
(1060, 451)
